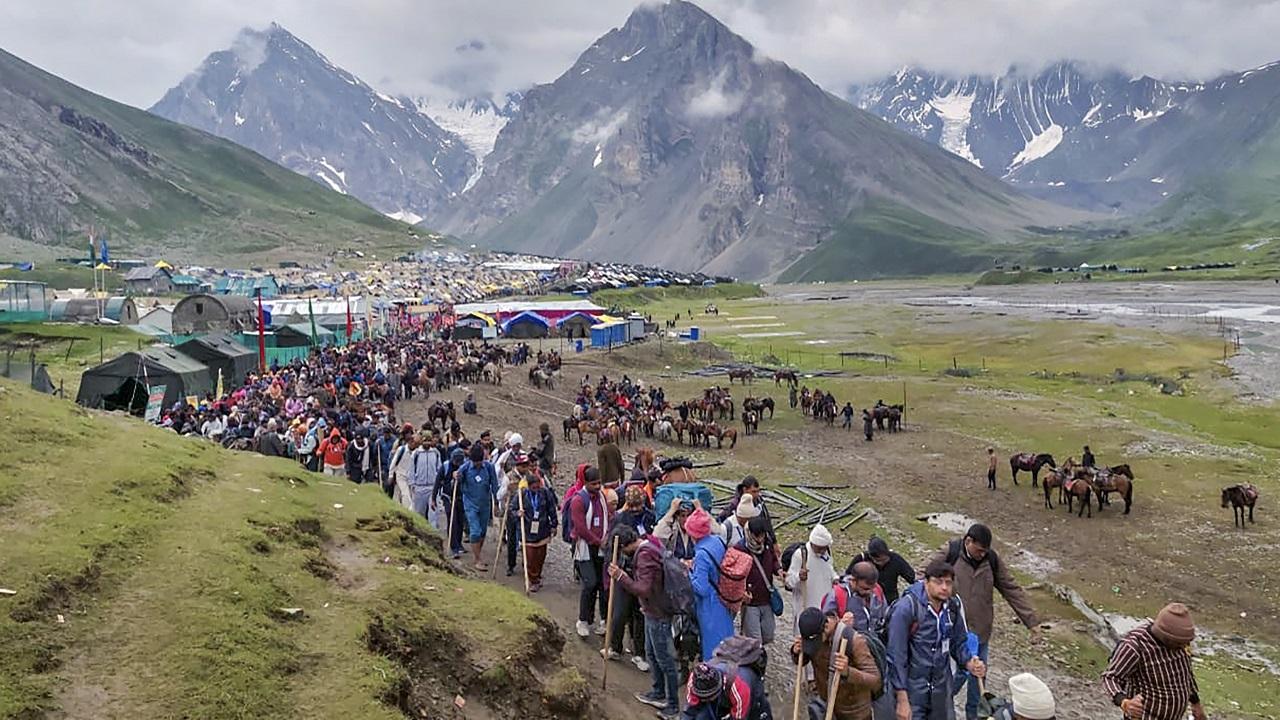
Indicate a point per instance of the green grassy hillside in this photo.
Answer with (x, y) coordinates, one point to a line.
(155, 576)
(159, 187)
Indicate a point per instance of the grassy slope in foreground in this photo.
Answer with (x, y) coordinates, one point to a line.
(154, 573)
(202, 197)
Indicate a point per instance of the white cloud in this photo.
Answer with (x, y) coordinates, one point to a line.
(601, 129)
(714, 101)
(134, 51)
(250, 49)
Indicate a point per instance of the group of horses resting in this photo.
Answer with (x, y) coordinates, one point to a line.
(696, 421)
(1076, 482)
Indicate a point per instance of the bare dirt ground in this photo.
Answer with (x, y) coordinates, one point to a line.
(896, 475)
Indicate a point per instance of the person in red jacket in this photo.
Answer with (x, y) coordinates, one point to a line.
(590, 516)
(333, 451)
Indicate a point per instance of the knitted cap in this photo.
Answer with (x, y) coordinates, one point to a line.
(1173, 625)
(708, 681)
(1031, 697)
(698, 524)
(820, 536)
(747, 508)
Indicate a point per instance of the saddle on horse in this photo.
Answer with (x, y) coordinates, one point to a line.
(1249, 490)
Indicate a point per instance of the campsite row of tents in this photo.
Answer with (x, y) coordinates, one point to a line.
(601, 330)
(189, 369)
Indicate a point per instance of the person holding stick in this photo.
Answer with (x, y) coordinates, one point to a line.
(514, 481)
(478, 486)
(537, 509)
(446, 493)
(845, 672)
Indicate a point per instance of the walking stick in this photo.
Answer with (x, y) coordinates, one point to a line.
(795, 710)
(835, 680)
(524, 546)
(453, 508)
(608, 622)
(502, 536)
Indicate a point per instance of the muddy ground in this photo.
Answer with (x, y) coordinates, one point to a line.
(894, 475)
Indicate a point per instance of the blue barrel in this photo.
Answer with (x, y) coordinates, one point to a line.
(577, 345)
(694, 333)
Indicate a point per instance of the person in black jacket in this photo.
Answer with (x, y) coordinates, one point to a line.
(891, 566)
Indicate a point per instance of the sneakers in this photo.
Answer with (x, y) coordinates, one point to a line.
(599, 629)
(652, 700)
(584, 630)
(667, 713)
(511, 571)
(640, 663)
(612, 654)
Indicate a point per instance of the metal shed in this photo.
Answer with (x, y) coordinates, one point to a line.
(204, 313)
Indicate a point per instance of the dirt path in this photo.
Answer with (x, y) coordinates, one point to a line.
(899, 476)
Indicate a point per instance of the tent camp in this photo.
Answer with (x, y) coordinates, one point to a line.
(575, 325)
(225, 353)
(202, 313)
(527, 324)
(299, 335)
(85, 310)
(121, 384)
(474, 326)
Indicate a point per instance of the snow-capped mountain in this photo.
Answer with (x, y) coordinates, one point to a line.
(671, 141)
(1008, 124)
(274, 94)
(477, 121)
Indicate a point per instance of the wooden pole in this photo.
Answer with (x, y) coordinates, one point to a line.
(502, 535)
(835, 680)
(608, 622)
(795, 706)
(524, 547)
(453, 508)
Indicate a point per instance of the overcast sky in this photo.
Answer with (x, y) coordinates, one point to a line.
(134, 50)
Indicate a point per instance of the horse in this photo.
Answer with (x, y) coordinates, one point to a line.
(585, 427)
(1031, 463)
(1116, 479)
(1241, 496)
(725, 405)
(569, 424)
(493, 373)
(730, 433)
(788, 375)
(750, 422)
(746, 375)
(1073, 486)
(444, 412)
(666, 428)
(763, 403)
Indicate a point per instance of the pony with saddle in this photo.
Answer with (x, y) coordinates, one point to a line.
(1115, 479)
(1032, 463)
(1073, 484)
(1241, 496)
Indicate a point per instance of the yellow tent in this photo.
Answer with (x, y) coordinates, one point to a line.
(163, 264)
(102, 266)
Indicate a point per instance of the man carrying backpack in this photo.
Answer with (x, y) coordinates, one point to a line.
(648, 585)
(978, 573)
(717, 691)
(927, 632)
(590, 516)
(859, 671)
(859, 600)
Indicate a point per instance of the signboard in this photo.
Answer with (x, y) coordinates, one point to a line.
(155, 398)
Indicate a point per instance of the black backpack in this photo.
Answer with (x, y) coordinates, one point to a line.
(675, 463)
(676, 585)
(791, 550)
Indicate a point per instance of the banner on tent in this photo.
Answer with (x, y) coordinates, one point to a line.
(155, 399)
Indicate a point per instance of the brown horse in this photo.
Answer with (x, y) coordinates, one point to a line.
(1241, 496)
(746, 375)
(585, 427)
(1115, 479)
(1072, 486)
(765, 403)
(750, 422)
(569, 426)
(729, 433)
(1031, 463)
(788, 375)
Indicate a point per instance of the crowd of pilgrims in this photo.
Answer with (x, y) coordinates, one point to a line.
(699, 595)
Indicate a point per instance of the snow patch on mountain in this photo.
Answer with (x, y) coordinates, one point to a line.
(476, 122)
(1038, 146)
(406, 216)
(955, 111)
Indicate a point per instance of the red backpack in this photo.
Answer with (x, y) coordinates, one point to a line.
(732, 586)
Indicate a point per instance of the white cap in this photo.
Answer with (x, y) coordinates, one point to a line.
(515, 439)
(747, 508)
(1031, 697)
(820, 536)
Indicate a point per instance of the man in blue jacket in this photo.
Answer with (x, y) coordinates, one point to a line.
(478, 488)
(926, 632)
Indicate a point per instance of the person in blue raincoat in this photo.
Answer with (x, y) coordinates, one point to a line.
(926, 632)
(714, 621)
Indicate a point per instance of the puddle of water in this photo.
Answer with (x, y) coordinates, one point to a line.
(816, 342)
(770, 334)
(950, 522)
(1209, 643)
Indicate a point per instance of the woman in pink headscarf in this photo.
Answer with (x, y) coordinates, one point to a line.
(714, 621)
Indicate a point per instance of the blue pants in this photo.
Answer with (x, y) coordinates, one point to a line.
(974, 696)
(478, 516)
(659, 649)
